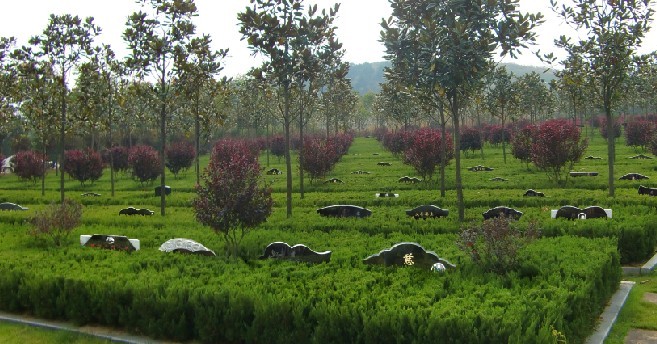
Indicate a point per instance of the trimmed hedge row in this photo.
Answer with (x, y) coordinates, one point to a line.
(563, 284)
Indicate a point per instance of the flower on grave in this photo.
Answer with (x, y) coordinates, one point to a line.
(408, 259)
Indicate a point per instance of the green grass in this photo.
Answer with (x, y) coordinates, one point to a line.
(636, 313)
(11, 333)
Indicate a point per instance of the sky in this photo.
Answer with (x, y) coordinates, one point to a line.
(358, 26)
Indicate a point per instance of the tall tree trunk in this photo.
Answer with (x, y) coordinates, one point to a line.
(288, 160)
(300, 149)
(111, 143)
(611, 149)
(163, 139)
(457, 156)
(197, 137)
(503, 137)
(62, 136)
(443, 148)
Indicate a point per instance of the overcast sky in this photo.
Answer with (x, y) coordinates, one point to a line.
(358, 26)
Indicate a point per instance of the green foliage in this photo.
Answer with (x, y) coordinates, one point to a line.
(57, 221)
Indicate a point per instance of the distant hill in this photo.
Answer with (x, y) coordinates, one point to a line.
(366, 77)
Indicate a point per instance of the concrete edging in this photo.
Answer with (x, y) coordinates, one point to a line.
(647, 268)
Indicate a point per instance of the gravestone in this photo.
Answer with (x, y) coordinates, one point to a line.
(375, 154)
(571, 213)
(183, 245)
(167, 190)
(590, 157)
(633, 176)
(404, 179)
(386, 194)
(427, 212)
(502, 210)
(90, 194)
(333, 181)
(344, 211)
(480, 168)
(298, 252)
(407, 254)
(641, 156)
(384, 164)
(274, 172)
(414, 180)
(647, 191)
(360, 172)
(135, 211)
(499, 179)
(583, 174)
(533, 193)
(11, 206)
(110, 242)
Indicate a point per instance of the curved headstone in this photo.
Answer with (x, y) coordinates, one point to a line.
(643, 190)
(583, 174)
(360, 172)
(590, 157)
(333, 181)
(274, 172)
(633, 176)
(384, 164)
(298, 252)
(641, 156)
(571, 212)
(186, 246)
(90, 194)
(167, 190)
(407, 254)
(344, 211)
(11, 206)
(499, 179)
(480, 168)
(502, 210)
(533, 193)
(386, 194)
(110, 242)
(427, 212)
(135, 211)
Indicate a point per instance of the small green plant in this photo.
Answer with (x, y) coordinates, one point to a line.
(495, 243)
(57, 221)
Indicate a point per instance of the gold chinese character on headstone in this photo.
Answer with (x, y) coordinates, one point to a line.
(408, 259)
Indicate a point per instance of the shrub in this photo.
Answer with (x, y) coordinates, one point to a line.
(521, 143)
(471, 139)
(120, 155)
(602, 125)
(398, 142)
(319, 157)
(145, 162)
(496, 243)
(29, 165)
(56, 221)
(424, 154)
(277, 147)
(230, 200)
(639, 133)
(180, 156)
(83, 165)
(497, 134)
(556, 146)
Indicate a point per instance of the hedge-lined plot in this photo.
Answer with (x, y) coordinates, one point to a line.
(562, 283)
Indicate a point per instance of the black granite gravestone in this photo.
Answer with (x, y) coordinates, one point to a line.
(590, 157)
(344, 211)
(502, 210)
(583, 174)
(633, 176)
(384, 164)
(274, 172)
(386, 194)
(641, 156)
(647, 191)
(480, 168)
(11, 206)
(427, 212)
(135, 211)
(533, 193)
(499, 179)
(298, 252)
(407, 254)
(571, 212)
(333, 181)
(110, 242)
(167, 190)
(90, 194)
(360, 172)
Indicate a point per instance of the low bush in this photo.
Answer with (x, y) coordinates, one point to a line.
(56, 221)
(83, 165)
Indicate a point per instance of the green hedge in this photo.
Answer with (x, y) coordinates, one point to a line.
(563, 284)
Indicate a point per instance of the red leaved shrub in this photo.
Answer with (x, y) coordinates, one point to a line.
(639, 133)
(424, 152)
(145, 163)
(557, 147)
(521, 143)
(180, 156)
(29, 165)
(83, 165)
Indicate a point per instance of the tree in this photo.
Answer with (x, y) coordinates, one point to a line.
(180, 156)
(471, 139)
(271, 28)
(64, 42)
(156, 41)
(145, 162)
(449, 46)
(616, 128)
(639, 133)
(611, 31)
(198, 70)
(83, 165)
(502, 99)
(230, 200)
(557, 147)
(535, 96)
(319, 157)
(7, 83)
(424, 153)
